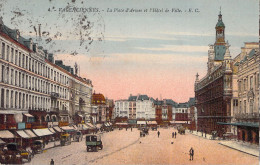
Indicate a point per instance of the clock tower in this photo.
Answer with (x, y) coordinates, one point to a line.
(220, 31)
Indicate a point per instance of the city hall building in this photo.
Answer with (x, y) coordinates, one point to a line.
(213, 92)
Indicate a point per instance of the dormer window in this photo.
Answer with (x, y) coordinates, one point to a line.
(17, 35)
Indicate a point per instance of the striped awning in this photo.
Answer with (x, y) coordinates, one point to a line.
(6, 134)
(28, 115)
(42, 132)
(2, 142)
(141, 122)
(52, 130)
(57, 129)
(68, 128)
(23, 134)
(30, 133)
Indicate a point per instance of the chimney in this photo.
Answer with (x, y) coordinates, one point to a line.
(35, 47)
(28, 44)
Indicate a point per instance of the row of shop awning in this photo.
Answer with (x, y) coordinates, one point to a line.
(6, 134)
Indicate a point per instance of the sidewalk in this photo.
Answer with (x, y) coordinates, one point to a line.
(250, 149)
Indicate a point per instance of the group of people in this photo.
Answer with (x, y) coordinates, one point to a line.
(174, 134)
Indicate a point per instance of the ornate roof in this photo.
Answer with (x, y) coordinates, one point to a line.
(220, 22)
(98, 98)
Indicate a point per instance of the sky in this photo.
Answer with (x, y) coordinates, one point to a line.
(126, 48)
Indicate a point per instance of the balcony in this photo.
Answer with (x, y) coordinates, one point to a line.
(54, 95)
(53, 109)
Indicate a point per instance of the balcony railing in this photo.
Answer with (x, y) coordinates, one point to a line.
(54, 95)
(54, 109)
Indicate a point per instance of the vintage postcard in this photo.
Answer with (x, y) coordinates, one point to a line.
(129, 82)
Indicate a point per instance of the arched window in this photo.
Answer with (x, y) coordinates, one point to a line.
(42, 119)
(47, 118)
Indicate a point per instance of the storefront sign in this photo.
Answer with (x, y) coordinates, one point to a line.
(21, 125)
(28, 126)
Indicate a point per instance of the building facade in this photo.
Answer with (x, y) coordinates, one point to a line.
(99, 101)
(247, 115)
(34, 91)
(213, 93)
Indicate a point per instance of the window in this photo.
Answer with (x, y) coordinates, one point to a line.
(12, 55)
(251, 82)
(29, 64)
(16, 57)
(2, 98)
(239, 86)
(7, 75)
(244, 85)
(20, 58)
(235, 102)
(3, 73)
(3, 50)
(23, 61)
(26, 63)
(251, 106)
(244, 106)
(11, 99)
(7, 98)
(12, 76)
(8, 53)
(15, 78)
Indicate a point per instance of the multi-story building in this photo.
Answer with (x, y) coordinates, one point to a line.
(213, 93)
(246, 114)
(132, 107)
(192, 114)
(110, 109)
(158, 111)
(80, 95)
(121, 108)
(144, 108)
(182, 113)
(100, 101)
(139, 107)
(34, 91)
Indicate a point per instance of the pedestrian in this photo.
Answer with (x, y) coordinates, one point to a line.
(158, 133)
(52, 162)
(172, 134)
(131, 129)
(191, 153)
(175, 135)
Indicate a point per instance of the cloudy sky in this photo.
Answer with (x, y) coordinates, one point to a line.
(123, 53)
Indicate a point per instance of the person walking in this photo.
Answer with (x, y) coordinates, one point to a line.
(131, 129)
(191, 153)
(172, 134)
(158, 133)
(175, 135)
(52, 162)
